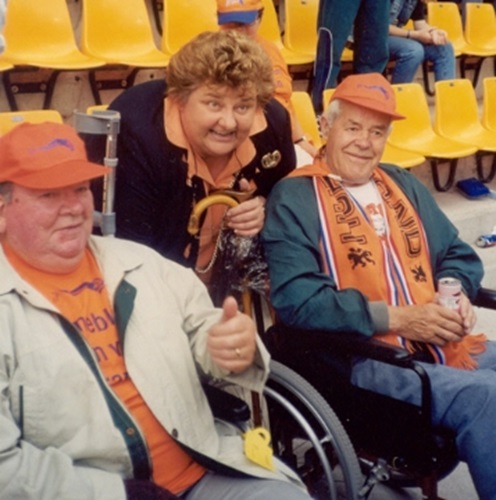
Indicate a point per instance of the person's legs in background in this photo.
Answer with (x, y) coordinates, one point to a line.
(443, 59)
(408, 56)
(371, 53)
(337, 19)
(337, 16)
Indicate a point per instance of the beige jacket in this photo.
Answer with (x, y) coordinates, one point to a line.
(63, 435)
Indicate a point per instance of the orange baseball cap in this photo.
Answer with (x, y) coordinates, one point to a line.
(45, 156)
(238, 11)
(368, 90)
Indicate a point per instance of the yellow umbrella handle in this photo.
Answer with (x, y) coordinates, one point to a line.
(221, 197)
(203, 204)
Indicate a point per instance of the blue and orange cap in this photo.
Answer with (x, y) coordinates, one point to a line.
(238, 11)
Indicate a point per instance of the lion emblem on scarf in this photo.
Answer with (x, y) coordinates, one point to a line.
(360, 257)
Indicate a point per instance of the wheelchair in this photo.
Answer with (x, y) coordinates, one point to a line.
(314, 419)
(395, 441)
(306, 433)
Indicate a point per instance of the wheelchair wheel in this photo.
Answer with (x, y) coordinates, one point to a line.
(308, 436)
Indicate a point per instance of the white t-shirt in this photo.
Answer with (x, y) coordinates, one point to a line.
(370, 202)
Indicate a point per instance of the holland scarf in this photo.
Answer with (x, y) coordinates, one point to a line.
(395, 269)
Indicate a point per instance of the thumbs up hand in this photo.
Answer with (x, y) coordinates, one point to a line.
(231, 342)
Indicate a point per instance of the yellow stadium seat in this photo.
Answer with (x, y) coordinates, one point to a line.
(98, 107)
(480, 29)
(9, 119)
(300, 26)
(347, 55)
(480, 25)
(446, 15)
(5, 66)
(457, 117)
(415, 133)
(489, 103)
(120, 33)
(401, 157)
(302, 105)
(39, 34)
(392, 154)
(457, 114)
(326, 96)
(183, 20)
(269, 28)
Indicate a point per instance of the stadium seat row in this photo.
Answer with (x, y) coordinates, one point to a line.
(119, 32)
(457, 131)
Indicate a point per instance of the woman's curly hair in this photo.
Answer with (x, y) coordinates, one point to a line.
(224, 58)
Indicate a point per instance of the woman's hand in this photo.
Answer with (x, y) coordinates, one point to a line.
(247, 219)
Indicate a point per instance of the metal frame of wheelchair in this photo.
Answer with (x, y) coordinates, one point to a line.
(395, 441)
(312, 430)
(308, 436)
(306, 433)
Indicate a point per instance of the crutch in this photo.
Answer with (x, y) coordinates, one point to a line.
(104, 122)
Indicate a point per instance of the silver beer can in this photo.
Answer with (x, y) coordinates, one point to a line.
(449, 292)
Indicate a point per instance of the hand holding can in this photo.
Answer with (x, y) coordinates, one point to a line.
(449, 293)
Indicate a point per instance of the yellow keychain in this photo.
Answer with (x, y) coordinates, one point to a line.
(258, 448)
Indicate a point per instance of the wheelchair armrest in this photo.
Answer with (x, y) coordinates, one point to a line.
(358, 345)
(226, 406)
(349, 345)
(486, 298)
(342, 344)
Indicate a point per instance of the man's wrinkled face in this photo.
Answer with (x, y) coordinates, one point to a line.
(49, 229)
(355, 142)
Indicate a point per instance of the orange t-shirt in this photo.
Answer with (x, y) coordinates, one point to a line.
(81, 297)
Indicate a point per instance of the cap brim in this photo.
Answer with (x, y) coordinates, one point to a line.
(62, 175)
(369, 104)
(242, 17)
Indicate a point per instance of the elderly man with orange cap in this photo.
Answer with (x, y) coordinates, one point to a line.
(245, 16)
(357, 246)
(101, 349)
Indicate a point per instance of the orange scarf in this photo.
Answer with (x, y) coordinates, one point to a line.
(394, 268)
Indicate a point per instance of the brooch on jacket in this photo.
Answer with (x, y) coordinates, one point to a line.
(271, 160)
